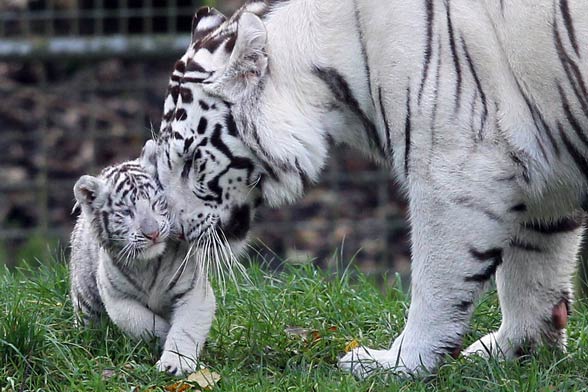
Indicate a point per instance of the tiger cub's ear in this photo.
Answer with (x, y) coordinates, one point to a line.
(89, 192)
(205, 21)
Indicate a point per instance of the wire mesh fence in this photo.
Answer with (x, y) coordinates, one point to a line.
(82, 85)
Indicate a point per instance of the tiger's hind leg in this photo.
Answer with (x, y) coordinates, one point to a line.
(459, 232)
(535, 290)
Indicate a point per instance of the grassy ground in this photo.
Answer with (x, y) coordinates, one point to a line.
(40, 349)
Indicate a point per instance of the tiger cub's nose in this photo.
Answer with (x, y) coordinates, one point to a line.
(153, 235)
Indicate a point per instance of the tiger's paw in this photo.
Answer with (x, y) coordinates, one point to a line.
(363, 361)
(496, 346)
(176, 364)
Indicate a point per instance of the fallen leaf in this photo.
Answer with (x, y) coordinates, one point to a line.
(351, 345)
(179, 386)
(205, 378)
(316, 336)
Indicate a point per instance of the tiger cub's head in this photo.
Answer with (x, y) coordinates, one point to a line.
(126, 208)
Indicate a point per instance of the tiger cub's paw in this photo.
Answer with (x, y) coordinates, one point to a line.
(176, 364)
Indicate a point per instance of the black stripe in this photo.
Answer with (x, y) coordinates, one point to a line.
(186, 169)
(478, 83)
(193, 66)
(127, 274)
(571, 69)
(342, 93)
(187, 143)
(436, 97)
(203, 105)
(121, 290)
(494, 256)
(567, 18)
(429, 47)
(187, 79)
(455, 56)
(88, 307)
(579, 159)
(363, 50)
(464, 306)
(539, 123)
(525, 171)
(490, 254)
(519, 208)
(571, 118)
(105, 222)
(563, 225)
(175, 92)
(519, 244)
(155, 273)
(202, 124)
(181, 114)
(186, 95)
(304, 179)
(180, 66)
(469, 202)
(386, 125)
(407, 129)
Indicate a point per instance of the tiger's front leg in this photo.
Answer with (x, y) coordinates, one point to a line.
(458, 236)
(192, 318)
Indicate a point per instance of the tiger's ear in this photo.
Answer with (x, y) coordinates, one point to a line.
(89, 192)
(149, 157)
(205, 20)
(247, 64)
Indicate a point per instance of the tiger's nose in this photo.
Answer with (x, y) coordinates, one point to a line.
(153, 235)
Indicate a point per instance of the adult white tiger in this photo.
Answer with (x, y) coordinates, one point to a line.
(480, 108)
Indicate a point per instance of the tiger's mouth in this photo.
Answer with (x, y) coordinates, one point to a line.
(239, 223)
(235, 228)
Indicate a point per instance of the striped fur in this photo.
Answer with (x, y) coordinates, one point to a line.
(125, 264)
(480, 109)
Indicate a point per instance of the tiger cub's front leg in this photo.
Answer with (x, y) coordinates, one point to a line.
(191, 320)
(459, 232)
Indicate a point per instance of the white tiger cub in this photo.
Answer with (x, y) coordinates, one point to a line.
(125, 263)
(480, 109)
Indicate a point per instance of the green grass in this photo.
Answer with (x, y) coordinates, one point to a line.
(41, 349)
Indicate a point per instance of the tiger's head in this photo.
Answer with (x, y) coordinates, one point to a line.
(209, 175)
(215, 168)
(126, 208)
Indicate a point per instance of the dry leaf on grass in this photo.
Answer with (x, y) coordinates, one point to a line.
(204, 378)
(351, 345)
(180, 386)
